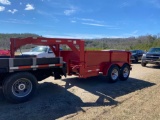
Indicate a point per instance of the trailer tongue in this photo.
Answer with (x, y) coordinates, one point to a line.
(20, 73)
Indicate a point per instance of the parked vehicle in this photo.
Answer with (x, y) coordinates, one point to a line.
(151, 57)
(20, 74)
(136, 55)
(40, 52)
(4, 52)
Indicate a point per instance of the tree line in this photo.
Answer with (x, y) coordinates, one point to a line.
(5, 39)
(131, 43)
(141, 42)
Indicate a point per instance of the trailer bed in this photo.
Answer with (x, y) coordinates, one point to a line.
(94, 61)
(28, 63)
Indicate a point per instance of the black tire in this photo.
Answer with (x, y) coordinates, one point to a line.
(19, 87)
(132, 61)
(136, 60)
(113, 74)
(124, 72)
(143, 64)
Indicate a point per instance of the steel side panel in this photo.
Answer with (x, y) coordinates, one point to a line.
(94, 58)
(69, 56)
(22, 62)
(41, 61)
(89, 74)
(4, 62)
(119, 56)
(4, 65)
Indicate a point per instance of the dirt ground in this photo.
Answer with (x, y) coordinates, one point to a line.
(138, 98)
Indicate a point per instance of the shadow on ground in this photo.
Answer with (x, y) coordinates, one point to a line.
(139, 62)
(54, 101)
(153, 66)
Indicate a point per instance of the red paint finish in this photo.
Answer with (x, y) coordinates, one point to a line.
(79, 62)
(4, 52)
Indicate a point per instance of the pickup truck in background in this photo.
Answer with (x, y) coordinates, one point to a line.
(151, 57)
(40, 52)
(4, 52)
(136, 55)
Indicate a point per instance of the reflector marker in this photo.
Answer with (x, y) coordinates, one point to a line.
(58, 41)
(11, 63)
(36, 66)
(43, 40)
(93, 70)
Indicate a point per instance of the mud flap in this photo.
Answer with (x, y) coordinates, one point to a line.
(64, 69)
(60, 72)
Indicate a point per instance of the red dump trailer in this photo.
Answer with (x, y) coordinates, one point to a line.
(20, 74)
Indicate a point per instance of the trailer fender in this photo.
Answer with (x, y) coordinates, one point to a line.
(107, 67)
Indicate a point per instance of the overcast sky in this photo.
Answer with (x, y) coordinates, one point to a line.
(80, 18)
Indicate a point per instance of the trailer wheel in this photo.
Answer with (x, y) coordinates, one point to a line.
(136, 60)
(113, 74)
(19, 87)
(143, 64)
(124, 72)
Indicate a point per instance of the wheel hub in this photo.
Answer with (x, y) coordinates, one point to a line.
(114, 74)
(125, 72)
(21, 87)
